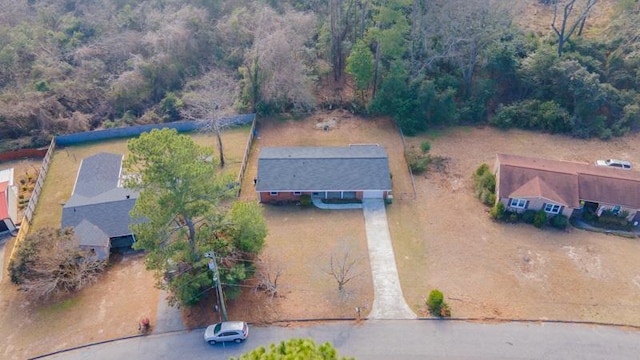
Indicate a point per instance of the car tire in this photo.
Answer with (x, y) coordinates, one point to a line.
(212, 342)
(238, 341)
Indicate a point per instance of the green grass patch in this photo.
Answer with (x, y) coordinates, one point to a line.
(62, 306)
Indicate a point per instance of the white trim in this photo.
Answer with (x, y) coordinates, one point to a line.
(78, 175)
(551, 208)
(515, 203)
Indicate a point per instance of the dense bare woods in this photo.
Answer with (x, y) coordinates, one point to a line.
(69, 66)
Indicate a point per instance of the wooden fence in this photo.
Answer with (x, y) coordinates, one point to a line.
(42, 175)
(22, 153)
(245, 158)
(25, 224)
(404, 195)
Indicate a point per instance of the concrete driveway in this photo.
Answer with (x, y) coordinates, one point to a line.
(388, 302)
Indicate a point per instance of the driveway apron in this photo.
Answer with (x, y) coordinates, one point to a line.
(169, 318)
(388, 302)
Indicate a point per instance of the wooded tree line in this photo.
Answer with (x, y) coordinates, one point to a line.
(73, 65)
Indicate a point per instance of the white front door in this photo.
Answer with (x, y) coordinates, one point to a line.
(372, 194)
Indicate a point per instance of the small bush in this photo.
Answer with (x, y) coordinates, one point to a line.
(612, 221)
(425, 147)
(540, 219)
(435, 301)
(497, 211)
(485, 185)
(528, 216)
(513, 217)
(487, 197)
(484, 168)
(417, 162)
(445, 311)
(305, 200)
(559, 222)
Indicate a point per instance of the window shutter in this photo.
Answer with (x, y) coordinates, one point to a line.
(526, 205)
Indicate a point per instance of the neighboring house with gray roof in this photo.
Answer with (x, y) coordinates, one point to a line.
(98, 209)
(349, 172)
(561, 187)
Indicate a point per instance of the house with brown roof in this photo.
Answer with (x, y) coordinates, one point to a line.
(561, 187)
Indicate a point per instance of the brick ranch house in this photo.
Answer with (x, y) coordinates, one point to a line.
(349, 172)
(562, 187)
(99, 206)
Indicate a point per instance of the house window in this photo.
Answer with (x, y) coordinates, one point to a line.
(616, 210)
(552, 208)
(273, 193)
(518, 203)
(297, 193)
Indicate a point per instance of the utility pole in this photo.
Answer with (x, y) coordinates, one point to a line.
(213, 266)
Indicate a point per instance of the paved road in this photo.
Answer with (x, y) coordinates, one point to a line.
(396, 339)
(388, 302)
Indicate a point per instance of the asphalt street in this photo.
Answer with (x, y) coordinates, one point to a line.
(395, 339)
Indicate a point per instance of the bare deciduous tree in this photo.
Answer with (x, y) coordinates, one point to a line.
(209, 99)
(49, 263)
(269, 272)
(573, 17)
(460, 31)
(282, 58)
(343, 266)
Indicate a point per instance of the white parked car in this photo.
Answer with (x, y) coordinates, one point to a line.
(236, 331)
(615, 163)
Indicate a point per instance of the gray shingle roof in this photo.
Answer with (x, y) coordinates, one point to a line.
(350, 168)
(90, 234)
(98, 173)
(112, 218)
(97, 202)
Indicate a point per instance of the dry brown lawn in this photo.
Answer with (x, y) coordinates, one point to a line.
(446, 240)
(106, 310)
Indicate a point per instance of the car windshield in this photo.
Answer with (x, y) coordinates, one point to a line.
(217, 328)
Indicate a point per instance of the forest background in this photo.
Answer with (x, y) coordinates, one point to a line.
(77, 65)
